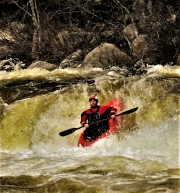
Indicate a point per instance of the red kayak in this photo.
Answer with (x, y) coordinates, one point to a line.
(113, 123)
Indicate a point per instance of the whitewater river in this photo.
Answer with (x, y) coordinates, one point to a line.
(142, 157)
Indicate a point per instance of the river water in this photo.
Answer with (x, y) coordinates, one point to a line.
(142, 157)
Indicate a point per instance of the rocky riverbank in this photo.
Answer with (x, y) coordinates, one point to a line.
(132, 35)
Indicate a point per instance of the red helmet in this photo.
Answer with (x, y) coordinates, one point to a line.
(93, 97)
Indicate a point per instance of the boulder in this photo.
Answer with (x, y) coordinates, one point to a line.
(139, 47)
(73, 60)
(105, 56)
(43, 65)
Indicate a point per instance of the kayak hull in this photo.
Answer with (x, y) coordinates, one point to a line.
(113, 123)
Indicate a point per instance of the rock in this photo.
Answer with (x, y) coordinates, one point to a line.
(73, 60)
(43, 65)
(105, 56)
(131, 32)
(139, 47)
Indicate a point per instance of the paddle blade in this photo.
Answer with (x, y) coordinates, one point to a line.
(128, 111)
(68, 131)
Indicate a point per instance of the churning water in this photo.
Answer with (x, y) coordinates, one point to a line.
(142, 157)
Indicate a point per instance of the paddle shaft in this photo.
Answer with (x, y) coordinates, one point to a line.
(69, 131)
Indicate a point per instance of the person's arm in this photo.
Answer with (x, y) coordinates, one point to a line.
(84, 119)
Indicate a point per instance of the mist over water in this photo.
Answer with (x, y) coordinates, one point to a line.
(142, 157)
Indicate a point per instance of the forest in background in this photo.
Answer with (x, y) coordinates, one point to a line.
(85, 24)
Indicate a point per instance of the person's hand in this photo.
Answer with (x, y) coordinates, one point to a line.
(113, 116)
(86, 125)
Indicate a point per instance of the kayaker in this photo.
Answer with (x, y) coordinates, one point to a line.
(91, 119)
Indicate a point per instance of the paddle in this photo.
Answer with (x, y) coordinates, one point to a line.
(69, 131)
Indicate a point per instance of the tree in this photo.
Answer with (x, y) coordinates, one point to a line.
(36, 43)
(36, 40)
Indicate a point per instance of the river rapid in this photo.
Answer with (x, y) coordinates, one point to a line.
(143, 156)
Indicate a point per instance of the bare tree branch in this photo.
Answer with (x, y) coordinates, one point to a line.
(22, 8)
(99, 18)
